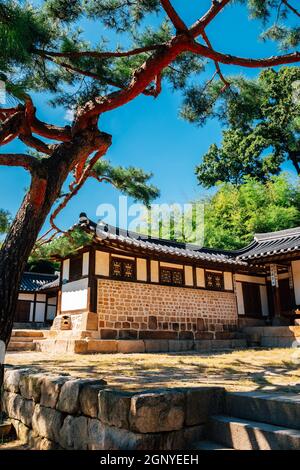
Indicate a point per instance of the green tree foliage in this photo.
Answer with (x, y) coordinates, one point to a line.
(61, 246)
(29, 32)
(235, 212)
(4, 220)
(131, 181)
(263, 127)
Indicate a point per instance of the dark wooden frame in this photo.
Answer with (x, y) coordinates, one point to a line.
(207, 272)
(171, 269)
(259, 313)
(122, 260)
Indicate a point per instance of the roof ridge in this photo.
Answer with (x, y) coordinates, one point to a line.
(290, 232)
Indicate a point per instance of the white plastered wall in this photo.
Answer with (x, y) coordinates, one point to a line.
(296, 280)
(228, 284)
(154, 271)
(102, 263)
(66, 270)
(85, 263)
(200, 278)
(74, 295)
(188, 275)
(141, 269)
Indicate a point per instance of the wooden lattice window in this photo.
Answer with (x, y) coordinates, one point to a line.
(123, 269)
(214, 281)
(171, 276)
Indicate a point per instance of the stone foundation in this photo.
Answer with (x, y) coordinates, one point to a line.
(60, 412)
(273, 336)
(90, 345)
(131, 310)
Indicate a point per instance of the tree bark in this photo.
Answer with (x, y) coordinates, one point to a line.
(46, 184)
(295, 159)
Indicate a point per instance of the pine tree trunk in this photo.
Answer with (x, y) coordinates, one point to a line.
(295, 159)
(45, 188)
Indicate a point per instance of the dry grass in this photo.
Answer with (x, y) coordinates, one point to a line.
(274, 369)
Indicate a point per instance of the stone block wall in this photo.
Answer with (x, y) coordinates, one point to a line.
(60, 412)
(131, 310)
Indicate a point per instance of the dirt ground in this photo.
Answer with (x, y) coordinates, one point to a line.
(265, 370)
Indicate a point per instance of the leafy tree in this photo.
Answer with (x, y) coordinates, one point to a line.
(235, 212)
(60, 247)
(4, 221)
(42, 49)
(263, 128)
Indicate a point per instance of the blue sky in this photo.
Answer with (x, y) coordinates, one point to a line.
(149, 133)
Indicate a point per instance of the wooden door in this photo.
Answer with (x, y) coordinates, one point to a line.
(22, 314)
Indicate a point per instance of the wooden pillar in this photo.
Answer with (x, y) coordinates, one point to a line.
(275, 290)
(34, 308)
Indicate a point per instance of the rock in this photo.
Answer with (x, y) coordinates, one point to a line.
(95, 435)
(4, 399)
(156, 345)
(12, 379)
(201, 402)
(19, 408)
(47, 422)
(88, 399)
(157, 411)
(182, 439)
(30, 386)
(74, 433)
(182, 345)
(68, 401)
(131, 346)
(41, 443)
(152, 322)
(200, 324)
(102, 346)
(23, 432)
(121, 439)
(50, 389)
(114, 407)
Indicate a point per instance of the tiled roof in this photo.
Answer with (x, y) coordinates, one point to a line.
(157, 245)
(32, 282)
(51, 285)
(271, 244)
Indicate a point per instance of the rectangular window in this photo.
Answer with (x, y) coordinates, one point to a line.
(75, 268)
(252, 302)
(171, 276)
(214, 281)
(123, 269)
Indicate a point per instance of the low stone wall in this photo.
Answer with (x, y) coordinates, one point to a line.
(60, 412)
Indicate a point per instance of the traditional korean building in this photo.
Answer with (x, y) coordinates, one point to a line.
(122, 286)
(37, 299)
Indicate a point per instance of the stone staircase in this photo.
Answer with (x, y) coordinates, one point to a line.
(255, 421)
(24, 340)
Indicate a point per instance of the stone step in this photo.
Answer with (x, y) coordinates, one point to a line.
(210, 445)
(272, 408)
(241, 434)
(22, 339)
(30, 333)
(21, 346)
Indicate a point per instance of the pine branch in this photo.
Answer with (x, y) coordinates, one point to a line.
(178, 23)
(28, 162)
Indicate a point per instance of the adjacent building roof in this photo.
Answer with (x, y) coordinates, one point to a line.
(104, 232)
(32, 282)
(271, 244)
